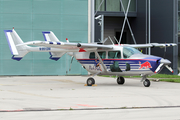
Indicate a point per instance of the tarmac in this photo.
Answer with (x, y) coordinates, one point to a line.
(66, 98)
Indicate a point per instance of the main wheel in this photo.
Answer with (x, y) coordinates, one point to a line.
(120, 80)
(90, 81)
(146, 83)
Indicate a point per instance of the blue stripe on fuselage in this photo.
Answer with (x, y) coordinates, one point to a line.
(134, 63)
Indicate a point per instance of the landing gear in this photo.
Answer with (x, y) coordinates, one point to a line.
(90, 81)
(146, 83)
(120, 80)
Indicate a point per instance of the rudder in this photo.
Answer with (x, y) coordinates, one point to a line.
(13, 39)
(49, 36)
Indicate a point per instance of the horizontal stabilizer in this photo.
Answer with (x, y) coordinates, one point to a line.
(56, 55)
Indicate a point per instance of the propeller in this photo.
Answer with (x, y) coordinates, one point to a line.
(163, 62)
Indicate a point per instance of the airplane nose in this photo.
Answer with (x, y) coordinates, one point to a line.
(165, 61)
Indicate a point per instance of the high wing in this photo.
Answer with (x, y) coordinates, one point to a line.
(73, 46)
(162, 45)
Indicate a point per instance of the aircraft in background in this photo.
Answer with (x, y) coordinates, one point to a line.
(98, 59)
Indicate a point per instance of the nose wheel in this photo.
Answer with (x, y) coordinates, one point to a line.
(90, 81)
(146, 83)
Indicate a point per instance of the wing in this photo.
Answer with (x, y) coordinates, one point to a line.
(161, 45)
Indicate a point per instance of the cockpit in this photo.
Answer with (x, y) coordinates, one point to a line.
(129, 51)
(124, 53)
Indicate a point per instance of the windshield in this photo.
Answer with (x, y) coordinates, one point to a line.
(129, 51)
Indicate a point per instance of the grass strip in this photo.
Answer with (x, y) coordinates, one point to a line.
(171, 80)
(162, 77)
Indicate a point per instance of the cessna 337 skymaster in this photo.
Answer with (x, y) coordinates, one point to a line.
(98, 59)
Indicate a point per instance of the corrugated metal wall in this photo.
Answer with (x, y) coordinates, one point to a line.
(113, 25)
(66, 18)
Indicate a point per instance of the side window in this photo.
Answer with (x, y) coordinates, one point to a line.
(114, 54)
(92, 55)
(101, 54)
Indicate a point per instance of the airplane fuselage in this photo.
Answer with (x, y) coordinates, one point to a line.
(136, 64)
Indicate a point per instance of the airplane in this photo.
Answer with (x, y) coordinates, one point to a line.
(97, 58)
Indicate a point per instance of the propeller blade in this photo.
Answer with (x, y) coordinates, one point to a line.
(159, 68)
(169, 68)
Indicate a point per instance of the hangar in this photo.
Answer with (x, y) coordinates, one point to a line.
(66, 18)
(148, 21)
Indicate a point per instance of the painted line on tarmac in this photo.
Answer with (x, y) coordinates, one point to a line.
(76, 109)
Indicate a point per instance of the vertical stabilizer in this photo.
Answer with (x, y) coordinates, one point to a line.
(50, 36)
(13, 39)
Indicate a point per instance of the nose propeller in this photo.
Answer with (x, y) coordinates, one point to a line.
(163, 62)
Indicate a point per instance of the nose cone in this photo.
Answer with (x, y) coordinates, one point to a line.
(165, 61)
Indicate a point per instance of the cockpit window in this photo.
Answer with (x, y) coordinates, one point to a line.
(128, 52)
(114, 54)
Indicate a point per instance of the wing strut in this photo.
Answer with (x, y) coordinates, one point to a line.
(101, 62)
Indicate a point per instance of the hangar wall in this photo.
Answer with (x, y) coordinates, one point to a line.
(66, 18)
(163, 26)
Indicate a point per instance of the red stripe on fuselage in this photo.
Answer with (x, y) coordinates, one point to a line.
(122, 59)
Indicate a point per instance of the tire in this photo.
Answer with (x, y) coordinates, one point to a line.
(120, 80)
(90, 81)
(147, 83)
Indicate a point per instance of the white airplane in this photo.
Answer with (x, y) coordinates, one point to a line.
(98, 59)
